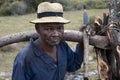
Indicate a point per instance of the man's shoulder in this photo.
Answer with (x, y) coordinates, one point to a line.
(63, 43)
(25, 52)
(24, 55)
(26, 49)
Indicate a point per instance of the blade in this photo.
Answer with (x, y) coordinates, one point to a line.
(85, 18)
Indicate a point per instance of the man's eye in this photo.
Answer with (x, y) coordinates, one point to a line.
(60, 27)
(51, 28)
(46, 28)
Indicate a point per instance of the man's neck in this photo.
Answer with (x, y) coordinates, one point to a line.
(50, 50)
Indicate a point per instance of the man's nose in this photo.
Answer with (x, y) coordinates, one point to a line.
(55, 33)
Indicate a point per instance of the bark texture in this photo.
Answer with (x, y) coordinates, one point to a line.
(69, 35)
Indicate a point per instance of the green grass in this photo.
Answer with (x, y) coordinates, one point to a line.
(14, 24)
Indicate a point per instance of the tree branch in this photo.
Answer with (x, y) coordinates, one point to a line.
(69, 35)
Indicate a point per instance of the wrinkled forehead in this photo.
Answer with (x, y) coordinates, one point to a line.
(50, 24)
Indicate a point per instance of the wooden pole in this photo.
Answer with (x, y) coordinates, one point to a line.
(69, 35)
(86, 56)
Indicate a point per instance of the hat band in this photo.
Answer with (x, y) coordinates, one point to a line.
(47, 14)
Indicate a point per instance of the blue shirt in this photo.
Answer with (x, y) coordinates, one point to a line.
(33, 64)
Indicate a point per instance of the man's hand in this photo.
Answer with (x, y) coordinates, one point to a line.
(89, 30)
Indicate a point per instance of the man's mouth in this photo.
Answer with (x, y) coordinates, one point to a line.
(55, 40)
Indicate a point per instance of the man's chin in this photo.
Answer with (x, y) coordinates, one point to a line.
(54, 43)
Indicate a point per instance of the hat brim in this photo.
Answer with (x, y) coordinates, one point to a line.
(50, 20)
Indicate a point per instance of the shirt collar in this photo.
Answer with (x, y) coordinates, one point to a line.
(40, 53)
(37, 51)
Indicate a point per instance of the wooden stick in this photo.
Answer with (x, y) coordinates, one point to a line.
(86, 53)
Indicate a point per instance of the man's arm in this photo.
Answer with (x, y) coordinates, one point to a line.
(18, 70)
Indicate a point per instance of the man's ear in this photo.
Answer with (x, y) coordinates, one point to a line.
(37, 28)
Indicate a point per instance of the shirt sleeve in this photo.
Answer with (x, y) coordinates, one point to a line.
(74, 59)
(19, 69)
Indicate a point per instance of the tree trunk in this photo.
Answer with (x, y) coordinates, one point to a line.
(69, 35)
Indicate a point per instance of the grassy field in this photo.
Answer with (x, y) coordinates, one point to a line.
(14, 24)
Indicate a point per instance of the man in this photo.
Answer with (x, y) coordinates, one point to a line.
(49, 57)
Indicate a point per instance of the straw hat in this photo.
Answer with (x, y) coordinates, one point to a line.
(50, 13)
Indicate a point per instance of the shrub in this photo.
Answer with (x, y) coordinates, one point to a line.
(101, 4)
(1, 2)
(18, 8)
(5, 9)
(67, 5)
(34, 3)
(79, 7)
(92, 19)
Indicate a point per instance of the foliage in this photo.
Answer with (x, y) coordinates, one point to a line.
(14, 8)
(18, 8)
(5, 9)
(98, 4)
(31, 5)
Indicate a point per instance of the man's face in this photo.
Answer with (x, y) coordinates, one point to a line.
(51, 33)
